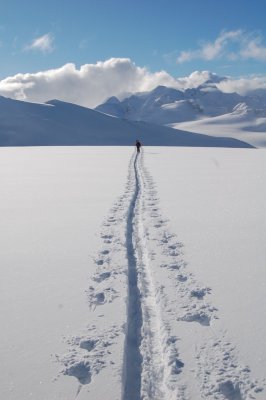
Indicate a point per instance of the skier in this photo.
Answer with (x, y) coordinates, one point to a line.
(138, 145)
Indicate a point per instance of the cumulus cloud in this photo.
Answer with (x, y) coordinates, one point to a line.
(196, 79)
(232, 45)
(87, 86)
(243, 85)
(92, 84)
(43, 43)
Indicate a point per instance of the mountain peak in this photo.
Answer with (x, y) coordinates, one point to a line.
(112, 100)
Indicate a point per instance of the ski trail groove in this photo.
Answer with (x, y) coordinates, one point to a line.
(156, 365)
(132, 356)
(146, 365)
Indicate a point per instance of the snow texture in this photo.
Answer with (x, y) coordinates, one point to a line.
(162, 295)
(58, 123)
(153, 329)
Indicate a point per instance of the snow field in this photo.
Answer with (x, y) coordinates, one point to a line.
(217, 202)
(158, 318)
(163, 356)
(53, 200)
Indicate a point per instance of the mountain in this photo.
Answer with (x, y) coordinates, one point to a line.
(165, 105)
(243, 123)
(60, 123)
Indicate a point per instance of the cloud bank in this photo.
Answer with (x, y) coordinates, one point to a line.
(92, 84)
(87, 86)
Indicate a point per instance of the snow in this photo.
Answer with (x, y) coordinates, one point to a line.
(59, 123)
(132, 276)
(52, 202)
(201, 110)
(243, 123)
(217, 202)
(165, 105)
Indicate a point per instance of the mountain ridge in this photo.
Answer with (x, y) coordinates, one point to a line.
(165, 105)
(58, 123)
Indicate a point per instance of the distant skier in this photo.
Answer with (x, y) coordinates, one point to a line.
(138, 145)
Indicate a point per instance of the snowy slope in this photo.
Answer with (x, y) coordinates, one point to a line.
(200, 109)
(165, 105)
(60, 123)
(244, 123)
(137, 306)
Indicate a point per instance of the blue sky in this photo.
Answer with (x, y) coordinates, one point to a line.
(152, 33)
(84, 51)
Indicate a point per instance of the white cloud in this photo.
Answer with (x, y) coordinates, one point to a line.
(187, 56)
(92, 84)
(215, 49)
(254, 50)
(243, 85)
(87, 86)
(232, 45)
(195, 79)
(210, 50)
(43, 43)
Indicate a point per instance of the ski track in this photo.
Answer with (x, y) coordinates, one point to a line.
(140, 272)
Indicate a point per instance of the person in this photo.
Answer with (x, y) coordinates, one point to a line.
(138, 145)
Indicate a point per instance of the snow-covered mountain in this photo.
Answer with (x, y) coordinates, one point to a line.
(165, 105)
(243, 123)
(60, 123)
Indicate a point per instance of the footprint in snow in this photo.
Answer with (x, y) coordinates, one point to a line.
(172, 246)
(182, 278)
(176, 367)
(200, 293)
(173, 253)
(102, 277)
(80, 370)
(99, 262)
(105, 252)
(171, 266)
(88, 344)
(107, 236)
(200, 317)
(159, 225)
(230, 390)
(99, 298)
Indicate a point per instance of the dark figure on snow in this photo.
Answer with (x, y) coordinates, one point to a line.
(138, 145)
